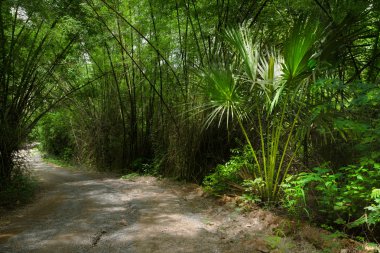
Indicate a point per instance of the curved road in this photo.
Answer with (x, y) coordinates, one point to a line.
(83, 212)
(77, 212)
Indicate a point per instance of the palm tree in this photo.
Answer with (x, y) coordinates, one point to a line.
(264, 91)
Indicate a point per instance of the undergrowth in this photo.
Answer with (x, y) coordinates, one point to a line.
(346, 199)
(58, 161)
(230, 177)
(20, 189)
(17, 192)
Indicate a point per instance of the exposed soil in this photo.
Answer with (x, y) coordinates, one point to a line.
(82, 212)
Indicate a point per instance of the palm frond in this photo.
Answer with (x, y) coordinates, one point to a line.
(298, 51)
(270, 78)
(224, 98)
(242, 41)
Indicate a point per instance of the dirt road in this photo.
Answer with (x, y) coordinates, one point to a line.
(77, 212)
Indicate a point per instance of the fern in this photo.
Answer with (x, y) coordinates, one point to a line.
(375, 195)
(372, 217)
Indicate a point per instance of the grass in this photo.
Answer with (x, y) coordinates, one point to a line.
(130, 176)
(58, 161)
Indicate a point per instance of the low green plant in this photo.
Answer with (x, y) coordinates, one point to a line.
(19, 190)
(294, 199)
(57, 161)
(250, 199)
(247, 201)
(54, 133)
(253, 188)
(371, 217)
(231, 175)
(347, 197)
(280, 244)
(130, 176)
(262, 93)
(143, 166)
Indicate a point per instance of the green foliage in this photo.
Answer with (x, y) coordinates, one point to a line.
(299, 51)
(280, 244)
(345, 121)
(55, 135)
(58, 161)
(254, 187)
(130, 176)
(34, 44)
(294, 199)
(372, 215)
(282, 81)
(231, 175)
(223, 94)
(249, 199)
(19, 190)
(143, 166)
(243, 41)
(339, 197)
(262, 94)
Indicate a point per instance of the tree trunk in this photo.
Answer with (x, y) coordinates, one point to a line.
(7, 151)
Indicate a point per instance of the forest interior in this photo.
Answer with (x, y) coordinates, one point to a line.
(190, 126)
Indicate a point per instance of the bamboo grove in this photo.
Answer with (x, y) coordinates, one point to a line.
(171, 87)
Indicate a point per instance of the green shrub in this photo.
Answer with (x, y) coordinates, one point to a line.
(55, 135)
(143, 166)
(18, 191)
(130, 176)
(294, 199)
(371, 217)
(231, 175)
(339, 198)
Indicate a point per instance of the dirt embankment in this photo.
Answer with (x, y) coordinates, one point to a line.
(77, 212)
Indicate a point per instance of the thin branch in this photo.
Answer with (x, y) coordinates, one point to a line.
(258, 13)
(146, 39)
(140, 69)
(324, 10)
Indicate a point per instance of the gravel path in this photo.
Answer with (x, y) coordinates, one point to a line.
(79, 212)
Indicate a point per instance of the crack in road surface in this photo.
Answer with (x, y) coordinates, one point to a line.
(97, 237)
(80, 212)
